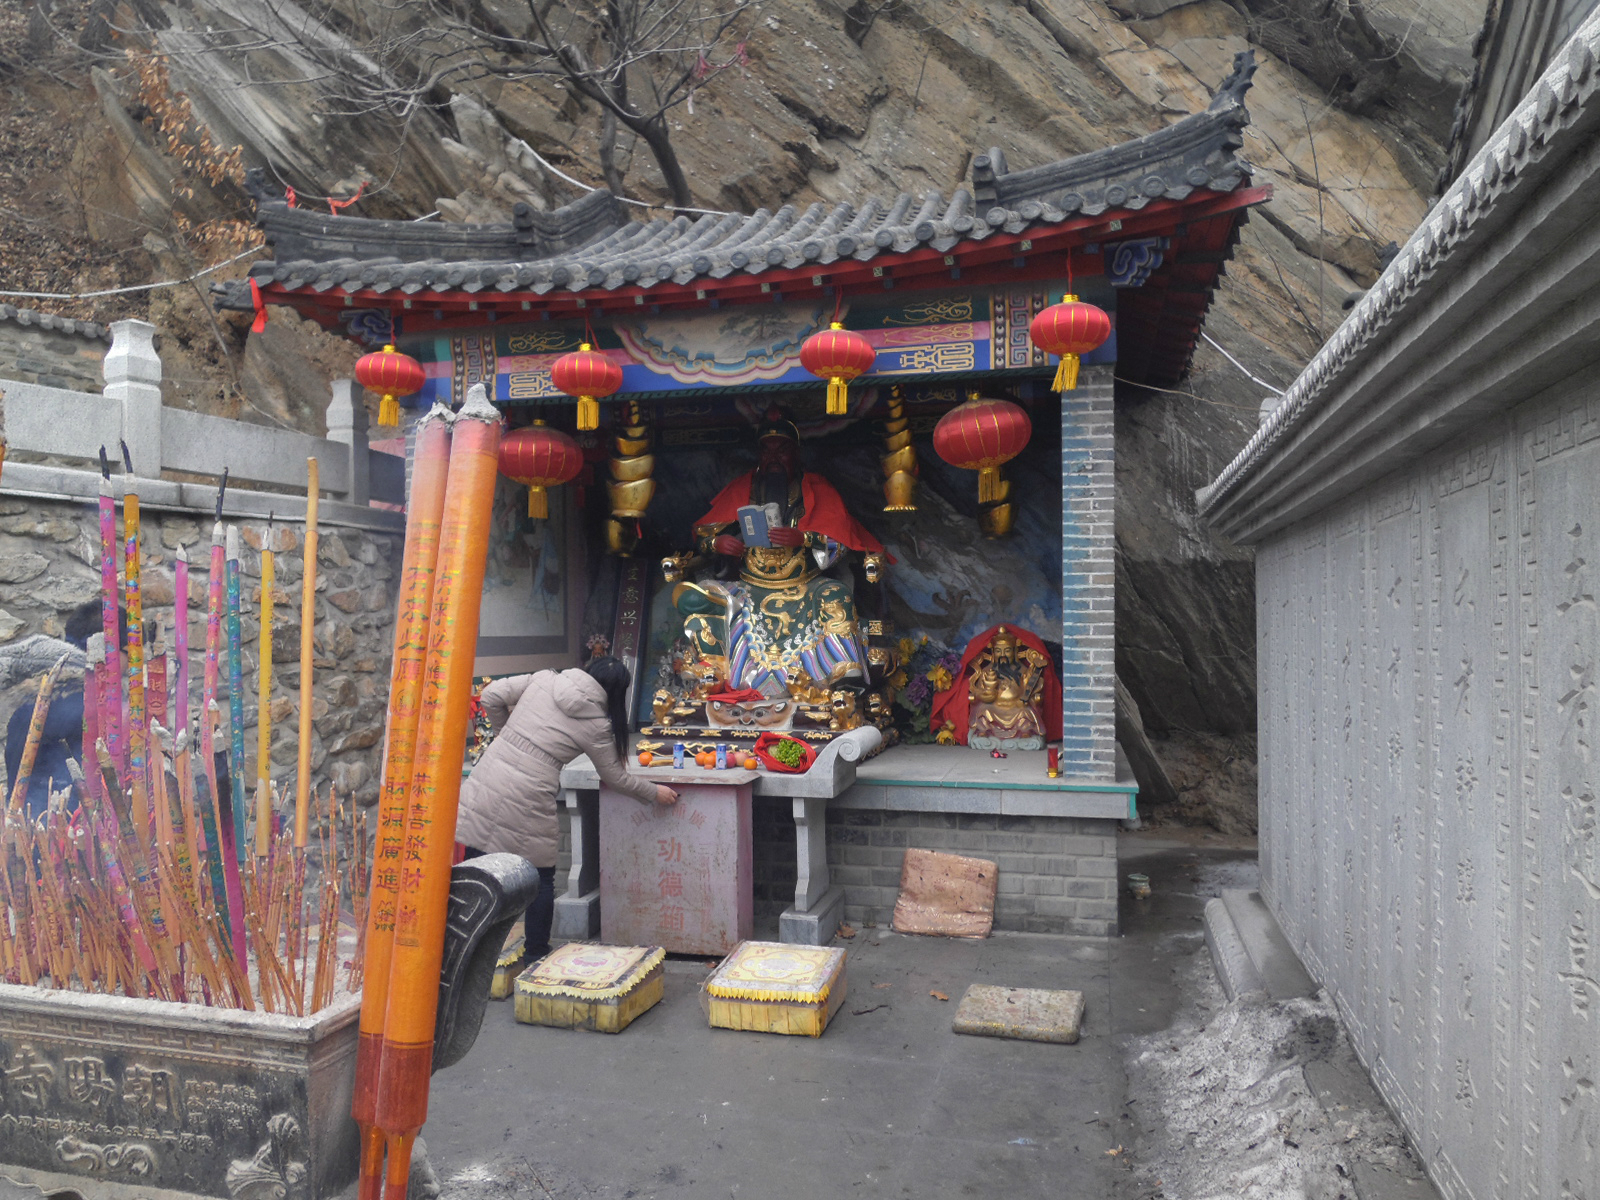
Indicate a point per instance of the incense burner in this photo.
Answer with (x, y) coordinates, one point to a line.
(119, 1098)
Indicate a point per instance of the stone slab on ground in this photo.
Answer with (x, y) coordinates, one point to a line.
(1235, 971)
(1026, 1014)
(1275, 961)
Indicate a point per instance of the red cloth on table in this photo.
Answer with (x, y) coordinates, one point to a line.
(825, 512)
(734, 695)
(767, 741)
(950, 708)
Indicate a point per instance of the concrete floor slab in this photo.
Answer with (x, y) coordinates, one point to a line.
(888, 1103)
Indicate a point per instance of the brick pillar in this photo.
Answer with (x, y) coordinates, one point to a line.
(1088, 603)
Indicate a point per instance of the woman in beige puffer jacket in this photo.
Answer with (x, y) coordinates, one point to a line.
(542, 722)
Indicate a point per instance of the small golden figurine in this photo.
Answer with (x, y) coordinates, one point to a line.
(1003, 693)
(1006, 696)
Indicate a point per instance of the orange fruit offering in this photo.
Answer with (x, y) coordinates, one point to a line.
(750, 763)
(646, 758)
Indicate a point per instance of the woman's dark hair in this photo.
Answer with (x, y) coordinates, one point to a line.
(85, 620)
(612, 674)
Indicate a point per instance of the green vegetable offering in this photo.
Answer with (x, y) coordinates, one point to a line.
(789, 753)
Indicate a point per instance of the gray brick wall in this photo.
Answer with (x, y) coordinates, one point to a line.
(35, 348)
(1057, 874)
(1088, 603)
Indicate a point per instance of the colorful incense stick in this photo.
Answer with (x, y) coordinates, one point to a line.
(235, 693)
(308, 624)
(424, 512)
(407, 1060)
(136, 727)
(110, 619)
(180, 643)
(264, 698)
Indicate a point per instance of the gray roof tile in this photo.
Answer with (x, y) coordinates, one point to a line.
(591, 243)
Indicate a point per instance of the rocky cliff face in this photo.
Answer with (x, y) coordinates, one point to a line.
(1349, 110)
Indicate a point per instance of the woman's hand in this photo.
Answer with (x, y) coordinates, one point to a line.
(665, 796)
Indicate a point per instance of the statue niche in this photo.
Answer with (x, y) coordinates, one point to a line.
(780, 646)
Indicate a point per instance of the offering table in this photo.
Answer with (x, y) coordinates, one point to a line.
(615, 849)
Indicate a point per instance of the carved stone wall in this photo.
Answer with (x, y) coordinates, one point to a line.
(120, 1098)
(1428, 777)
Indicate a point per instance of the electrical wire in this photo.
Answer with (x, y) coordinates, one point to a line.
(1240, 365)
(560, 174)
(138, 287)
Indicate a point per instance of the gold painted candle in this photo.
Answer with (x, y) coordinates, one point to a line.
(424, 512)
(436, 787)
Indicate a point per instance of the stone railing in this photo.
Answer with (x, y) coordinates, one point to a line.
(164, 442)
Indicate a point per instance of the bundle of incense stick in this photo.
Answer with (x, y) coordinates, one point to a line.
(136, 880)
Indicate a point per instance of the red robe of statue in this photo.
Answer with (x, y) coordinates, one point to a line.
(950, 708)
(825, 512)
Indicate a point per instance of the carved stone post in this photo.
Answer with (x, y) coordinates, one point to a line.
(132, 371)
(347, 423)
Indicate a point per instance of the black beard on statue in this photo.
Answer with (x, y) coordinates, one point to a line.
(771, 486)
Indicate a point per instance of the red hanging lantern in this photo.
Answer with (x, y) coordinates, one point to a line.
(1070, 329)
(588, 375)
(392, 375)
(541, 458)
(837, 355)
(980, 435)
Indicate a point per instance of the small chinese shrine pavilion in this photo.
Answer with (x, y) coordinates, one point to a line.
(939, 629)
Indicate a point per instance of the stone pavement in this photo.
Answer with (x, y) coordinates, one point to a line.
(888, 1103)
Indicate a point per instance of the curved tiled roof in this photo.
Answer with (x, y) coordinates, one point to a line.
(591, 245)
(27, 316)
(1466, 213)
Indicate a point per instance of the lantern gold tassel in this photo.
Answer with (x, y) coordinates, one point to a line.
(838, 396)
(1066, 374)
(389, 410)
(538, 503)
(991, 485)
(588, 413)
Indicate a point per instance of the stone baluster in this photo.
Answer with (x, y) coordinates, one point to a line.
(347, 424)
(132, 372)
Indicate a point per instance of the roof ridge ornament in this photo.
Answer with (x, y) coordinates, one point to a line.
(1230, 92)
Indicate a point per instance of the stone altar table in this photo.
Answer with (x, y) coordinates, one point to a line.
(818, 903)
(679, 877)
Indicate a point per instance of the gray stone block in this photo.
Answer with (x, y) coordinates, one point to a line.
(577, 917)
(816, 926)
(1004, 841)
(1089, 889)
(1099, 910)
(1047, 865)
(1104, 867)
(1020, 863)
(1089, 928)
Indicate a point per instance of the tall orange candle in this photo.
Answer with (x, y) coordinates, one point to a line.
(407, 1060)
(308, 622)
(424, 512)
